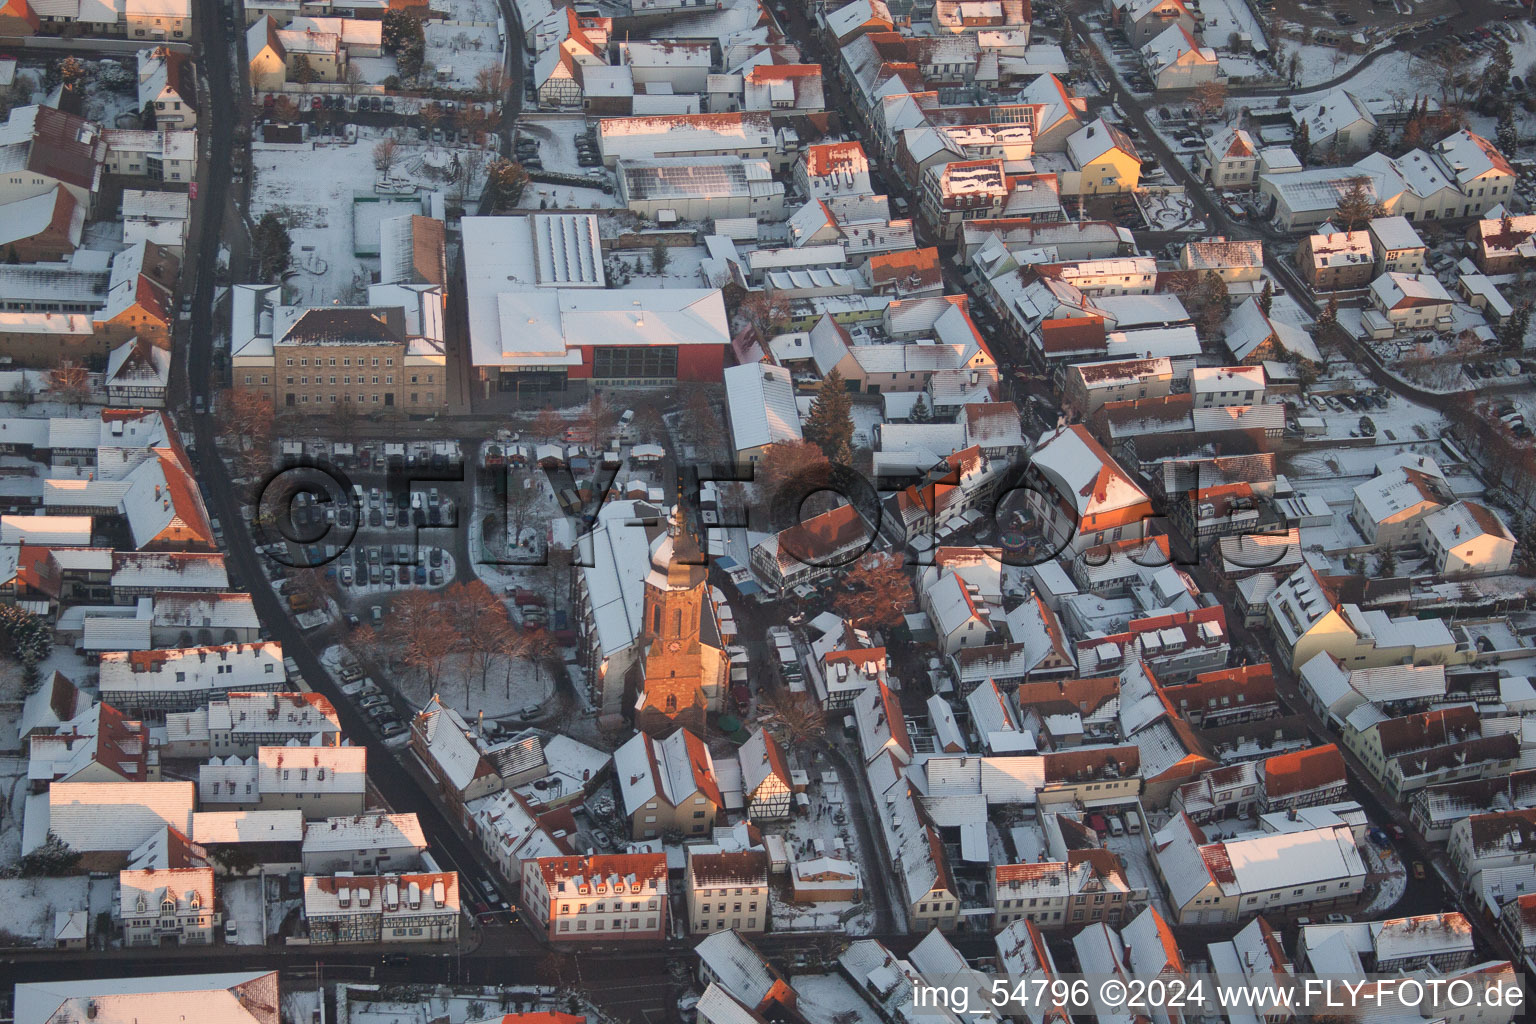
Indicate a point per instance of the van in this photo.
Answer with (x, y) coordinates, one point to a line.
(1115, 827)
(1133, 824)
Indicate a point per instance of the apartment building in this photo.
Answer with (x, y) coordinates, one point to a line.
(168, 907)
(1090, 886)
(323, 782)
(726, 890)
(157, 682)
(602, 898)
(382, 908)
(364, 843)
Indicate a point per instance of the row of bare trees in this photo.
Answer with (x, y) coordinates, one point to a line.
(464, 627)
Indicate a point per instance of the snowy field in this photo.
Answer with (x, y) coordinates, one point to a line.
(566, 197)
(461, 51)
(474, 10)
(681, 271)
(311, 187)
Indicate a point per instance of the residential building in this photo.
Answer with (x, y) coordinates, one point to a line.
(601, 898)
(1144, 20)
(446, 745)
(1231, 159)
(1502, 244)
(156, 682)
(1089, 887)
(323, 782)
(1216, 387)
(365, 844)
(1286, 872)
(168, 86)
(1235, 261)
(726, 890)
(105, 821)
(157, 19)
(1407, 302)
(1468, 537)
(765, 778)
(1175, 59)
(341, 909)
(1080, 496)
(1397, 247)
(1308, 618)
(1311, 777)
(667, 785)
(962, 190)
(98, 745)
(50, 149)
(1391, 507)
(811, 550)
(245, 997)
(173, 907)
(1499, 839)
(242, 723)
(1088, 387)
(1336, 261)
(1105, 158)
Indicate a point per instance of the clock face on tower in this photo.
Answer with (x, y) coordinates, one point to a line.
(673, 646)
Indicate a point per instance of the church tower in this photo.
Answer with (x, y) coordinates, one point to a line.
(684, 672)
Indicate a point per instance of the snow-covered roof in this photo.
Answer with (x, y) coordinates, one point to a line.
(313, 771)
(1083, 472)
(737, 967)
(375, 831)
(1393, 290)
(761, 399)
(116, 816)
(1465, 521)
(223, 827)
(673, 769)
(230, 998)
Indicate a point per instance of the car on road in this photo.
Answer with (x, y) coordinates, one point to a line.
(198, 405)
(1418, 870)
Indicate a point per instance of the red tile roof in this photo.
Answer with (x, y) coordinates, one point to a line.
(1300, 771)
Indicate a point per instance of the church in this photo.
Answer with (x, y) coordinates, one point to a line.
(684, 670)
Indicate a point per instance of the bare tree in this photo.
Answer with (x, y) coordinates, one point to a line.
(548, 423)
(876, 592)
(69, 382)
(247, 416)
(479, 615)
(491, 83)
(353, 80)
(422, 633)
(385, 153)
